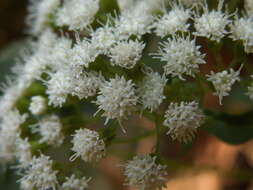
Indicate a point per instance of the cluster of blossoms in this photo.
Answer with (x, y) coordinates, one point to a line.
(79, 58)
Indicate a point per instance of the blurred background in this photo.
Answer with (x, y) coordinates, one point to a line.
(207, 164)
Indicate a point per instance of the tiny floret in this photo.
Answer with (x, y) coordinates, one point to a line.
(39, 174)
(144, 173)
(182, 57)
(212, 24)
(126, 53)
(173, 21)
(77, 14)
(23, 152)
(151, 90)
(223, 82)
(183, 119)
(50, 129)
(73, 183)
(116, 98)
(88, 145)
(38, 105)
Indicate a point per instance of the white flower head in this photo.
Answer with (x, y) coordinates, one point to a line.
(50, 129)
(77, 14)
(116, 98)
(183, 119)
(151, 90)
(38, 105)
(182, 57)
(87, 84)
(23, 152)
(59, 86)
(73, 183)
(242, 29)
(249, 7)
(39, 174)
(143, 173)
(223, 81)
(212, 24)
(104, 37)
(126, 53)
(173, 21)
(88, 145)
(40, 13)
(83, 53)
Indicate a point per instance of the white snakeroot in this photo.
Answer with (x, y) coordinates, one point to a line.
(173, 21)
(242, 29)
(73, 183)
(143, 173)
(83, 53)
(77, 14)
(88, 145)
(87, 84)
(116, 98)
(223, 81)
(39, 174)
(249, 7)
(212, 24)
(151, 90)
(38, 105)
(40, 13)
(50, 129)
(103, 38)
(126, 53)
(23, 152)
(183, 119)
(182, 57)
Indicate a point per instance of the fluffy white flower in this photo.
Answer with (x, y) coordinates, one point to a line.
(249, 7)
(126, 53)
(83, 53)
(88, 145)
(59, 86)
(242, 29)
(40, 13)
(223, 81)
(116, 98)
(173, 21)
(73, 183)
(143, 173)
(212, 24)
(77, 14)
(23, 152)
(87, 84)
(39, 174)
(151, 90)
(183, 119)
(38, 105)
(103, 38)
(50, 129)
(182, 56)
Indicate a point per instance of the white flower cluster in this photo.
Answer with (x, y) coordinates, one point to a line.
(50, 129)
(39, 174)
(116, 98)
(151, 90)
(73, 183)
(182, 57)
(183, 119)
(143, 173)
(242, 29)
(88, 145)
(38, 105)
(223, 81)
